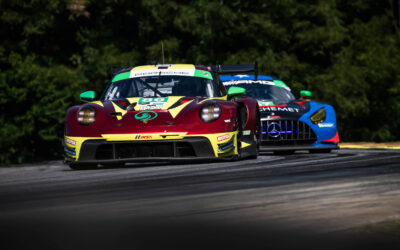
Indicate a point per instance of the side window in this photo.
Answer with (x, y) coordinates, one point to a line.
(111, 92)
(209, 88)
(221, 86)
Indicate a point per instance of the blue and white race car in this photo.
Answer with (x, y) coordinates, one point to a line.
(287, 123)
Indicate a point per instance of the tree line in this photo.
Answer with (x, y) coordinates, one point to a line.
(346, 52)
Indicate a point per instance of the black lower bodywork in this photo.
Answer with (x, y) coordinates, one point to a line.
(119, 152)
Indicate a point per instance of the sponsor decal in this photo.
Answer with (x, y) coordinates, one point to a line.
(162, 72)
(146, 115)
(150, 107)
(246, 132)
(225, 147)
(235, 82)
(325, 125)
(280, 109)
(165, 71)
(153, 101)
(276, 83)
(223, 137)
(70, 152)
(143, 137)
(70, 141)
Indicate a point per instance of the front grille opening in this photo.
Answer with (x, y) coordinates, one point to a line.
(125, 150)
(163, 150)
(104, 152)
(144, 150)
(184, 149)
(286, 132)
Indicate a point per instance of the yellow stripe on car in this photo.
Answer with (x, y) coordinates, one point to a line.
(175, 111)
(118, 110)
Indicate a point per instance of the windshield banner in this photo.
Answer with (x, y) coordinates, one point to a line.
(171, 72)
(276, 83)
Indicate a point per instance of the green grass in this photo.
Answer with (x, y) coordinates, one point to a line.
(390, 229)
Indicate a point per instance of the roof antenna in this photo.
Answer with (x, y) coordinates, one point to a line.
(162, 51)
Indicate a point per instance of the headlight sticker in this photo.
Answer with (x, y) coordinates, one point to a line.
(210, 112)
(319, 116)
(86, 115)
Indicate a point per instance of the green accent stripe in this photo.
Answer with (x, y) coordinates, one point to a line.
(279, 83)
(203, 74)
(197, 73)
(121, 76)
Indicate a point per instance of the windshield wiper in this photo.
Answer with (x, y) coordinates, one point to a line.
(154, 89)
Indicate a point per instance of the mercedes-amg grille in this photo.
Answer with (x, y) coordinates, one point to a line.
(286, 132)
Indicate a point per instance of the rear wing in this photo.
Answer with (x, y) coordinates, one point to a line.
(236, 69)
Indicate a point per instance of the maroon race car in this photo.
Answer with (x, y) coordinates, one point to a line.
(163, 113)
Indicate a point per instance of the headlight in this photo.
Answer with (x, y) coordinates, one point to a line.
(86, 115)
(210, 112)
(318, 116)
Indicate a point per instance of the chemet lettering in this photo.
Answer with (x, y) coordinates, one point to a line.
(285, 109)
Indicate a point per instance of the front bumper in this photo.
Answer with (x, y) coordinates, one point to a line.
(120, 149)
(102, 151)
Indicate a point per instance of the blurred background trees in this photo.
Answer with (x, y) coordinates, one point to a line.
(346, 52)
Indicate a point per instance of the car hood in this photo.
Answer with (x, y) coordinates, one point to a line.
(165, 107)
(154, 115)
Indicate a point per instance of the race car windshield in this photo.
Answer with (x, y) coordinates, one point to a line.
(161, 86)
(266, 92)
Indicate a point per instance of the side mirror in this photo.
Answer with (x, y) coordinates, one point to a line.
(236, 92)
(87, 96)
(305, 94)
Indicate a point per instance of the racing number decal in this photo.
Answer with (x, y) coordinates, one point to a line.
(146, 115)
(153, 101)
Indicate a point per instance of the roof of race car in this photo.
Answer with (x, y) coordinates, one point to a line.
(226, 78)
(164, 69)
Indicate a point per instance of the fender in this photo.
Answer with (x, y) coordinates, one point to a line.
(252, 109)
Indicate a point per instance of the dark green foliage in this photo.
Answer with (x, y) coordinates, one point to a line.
(346, 52)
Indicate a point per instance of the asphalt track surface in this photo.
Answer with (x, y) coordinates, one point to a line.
(299, 201)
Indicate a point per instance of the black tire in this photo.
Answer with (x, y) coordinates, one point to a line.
(114, 165)
(323, 151)
(257, 137)
(284, 152)
(81, 166)
(238, 136)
